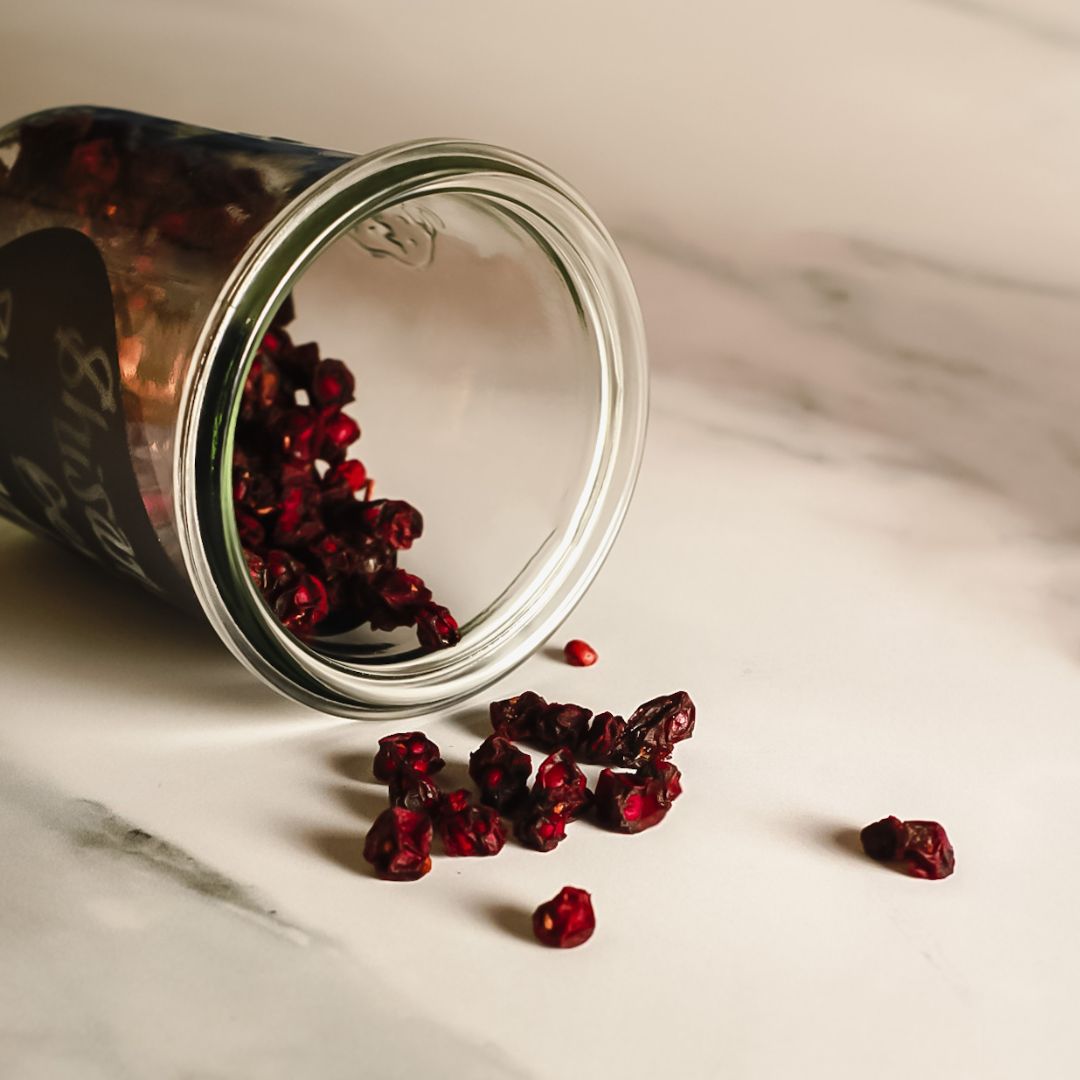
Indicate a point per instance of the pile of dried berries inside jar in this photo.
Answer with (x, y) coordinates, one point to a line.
(319, 548)
(634, 792)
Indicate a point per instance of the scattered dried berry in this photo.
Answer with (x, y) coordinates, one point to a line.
(655, 727)
(579, 653)
(501, 771)
(470, 829)
(633, 802)
(513, 718)
(414, 790)
(536, 828)
(411, 749)
(605, 742)
(557, 725)
(565, 920)
(398, 844)
(560, 788)
(922, 847)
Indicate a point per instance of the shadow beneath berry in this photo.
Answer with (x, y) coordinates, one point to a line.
(846, 839)
(366, 802)
(554, 652)
(513, 920)
(112, 638)
(346, 849)
(353, 766)
(475, 722)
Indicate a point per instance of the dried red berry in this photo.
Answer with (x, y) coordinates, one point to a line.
(922, 846)
(883, 839)
(579, 653)
(513, 718)
(436, 628)
(471, 830)
(304, 606)
(557, 725)
(501, 771)
(632, 802)
(560, 788)
(412, 749)
(655, 727)
(332, 383)
(414, 790)
(348, 474)
(394, 522)
(536, 828)
(300, 433)
(605, 742)
(565, 920)
(455, 802)
(398, 844)
(927, 852)
(338, 433)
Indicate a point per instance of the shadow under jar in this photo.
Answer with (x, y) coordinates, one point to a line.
(485, 313)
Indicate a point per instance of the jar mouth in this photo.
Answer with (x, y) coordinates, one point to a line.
(509, 628)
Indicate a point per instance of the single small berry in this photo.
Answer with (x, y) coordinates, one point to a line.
(565, 920)
(412, 749)
(513, 718)
(921, 847)
(633, 802)
(398, 844)
(471, 830)
(560, 787)
(539, 829)
(501, 771)
(556, 726)
(414, 790)
(655, 727)
(579, 653)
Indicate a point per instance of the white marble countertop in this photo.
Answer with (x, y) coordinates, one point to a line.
(854, 542)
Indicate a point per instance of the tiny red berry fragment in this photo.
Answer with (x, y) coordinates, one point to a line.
(922, 847)
(501, 771)
(436, 628)
(412, 749)
(398, 844)
(565, 920)
(471, 830)
(560, 787)
(579, 653)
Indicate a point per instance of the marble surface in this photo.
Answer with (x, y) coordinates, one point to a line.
(854, 542)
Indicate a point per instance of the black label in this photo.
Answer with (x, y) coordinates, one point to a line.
(65, 466)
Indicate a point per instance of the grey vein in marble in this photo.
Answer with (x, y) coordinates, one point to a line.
(127, 958)
(1044, 30)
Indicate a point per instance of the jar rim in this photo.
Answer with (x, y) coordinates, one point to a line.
(594, 270)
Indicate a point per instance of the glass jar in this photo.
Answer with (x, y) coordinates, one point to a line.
(486, 313)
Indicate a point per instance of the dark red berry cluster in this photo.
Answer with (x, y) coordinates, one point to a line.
(625, 801)
(922, 848)
(319, 548)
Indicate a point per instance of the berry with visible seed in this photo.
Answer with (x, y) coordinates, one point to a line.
(470, 830)
(560, 788)
(536, 828)
(655, 727)
(501, 771)
(412, 749)
(633, 802)
(332, 383)
(414, 790)
(398, 844)
(565, 920)
(513, 718)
